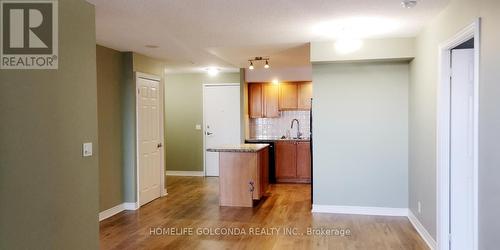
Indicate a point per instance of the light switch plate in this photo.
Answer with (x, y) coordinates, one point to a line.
(87, 149)
(197, 127)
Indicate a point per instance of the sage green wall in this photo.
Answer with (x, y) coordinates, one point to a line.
(109, 85)
(132, 63)
(48, 191)
(424, 75)
(360, 134)
(183, 110)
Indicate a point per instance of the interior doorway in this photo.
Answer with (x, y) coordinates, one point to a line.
(150, 153)
(221, 121)
(457, 145)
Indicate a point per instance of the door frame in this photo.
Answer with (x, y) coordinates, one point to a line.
(443, 132)
(204, 85)
(163, 189)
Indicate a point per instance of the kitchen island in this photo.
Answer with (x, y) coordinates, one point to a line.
(243, 173)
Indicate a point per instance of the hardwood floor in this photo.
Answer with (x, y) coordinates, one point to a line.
(192, 204)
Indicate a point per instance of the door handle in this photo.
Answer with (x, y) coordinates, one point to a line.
(159, 145)
(208, 133)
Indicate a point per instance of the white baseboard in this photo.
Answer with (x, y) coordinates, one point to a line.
(383, 211)
(185, 173)
(110, 212)
(131, 205)
(431, 243)
(118, 208)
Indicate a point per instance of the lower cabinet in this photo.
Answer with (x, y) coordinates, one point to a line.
(293, 162)
(243, 177)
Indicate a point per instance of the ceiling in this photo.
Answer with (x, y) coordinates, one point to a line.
(192, 35)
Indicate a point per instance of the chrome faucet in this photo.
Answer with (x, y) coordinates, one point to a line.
(298, 128)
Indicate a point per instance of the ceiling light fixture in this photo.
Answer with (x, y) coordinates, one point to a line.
(212, 71)
(267, 65)
(259, 58)
(409, 3)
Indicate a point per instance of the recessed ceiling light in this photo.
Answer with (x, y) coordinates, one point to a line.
(409, 3)
(212, 71)
(150, 46)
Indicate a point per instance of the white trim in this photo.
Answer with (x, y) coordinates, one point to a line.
(163, 190)
(220, 84)
(382, 211)
(185, 173)
(110, 212)
(443, 131)
(131, 205)
(147, 76)
(117, 209)
(431, 243)
(204, 122)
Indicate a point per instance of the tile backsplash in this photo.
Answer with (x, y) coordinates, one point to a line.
(271, 128)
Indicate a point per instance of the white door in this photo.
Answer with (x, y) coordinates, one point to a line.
(221, 107)
(462, 150)
(149, 140)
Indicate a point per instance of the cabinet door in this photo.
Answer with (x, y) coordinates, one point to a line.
(255, 100)
(288, 96)
(304, 160)
(286, 165)
(271, 96)
(304, 95)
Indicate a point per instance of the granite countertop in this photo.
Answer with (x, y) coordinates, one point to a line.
(239, 148)
(275, 139)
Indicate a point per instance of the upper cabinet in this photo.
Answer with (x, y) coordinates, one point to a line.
(304, 95)
(265, 100)
(288, 96)
(255, 102)
(271, 97)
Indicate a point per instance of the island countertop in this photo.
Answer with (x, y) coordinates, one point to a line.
(239, 148)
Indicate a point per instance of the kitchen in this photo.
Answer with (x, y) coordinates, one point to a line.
(277, 145)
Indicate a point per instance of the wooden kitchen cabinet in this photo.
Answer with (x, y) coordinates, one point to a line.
(304, 160)
(304, 95)
(288, 96)
(255, 100)
(263, 100)
(286, 165)
(293, 162)
(239, 172)
(271, 100)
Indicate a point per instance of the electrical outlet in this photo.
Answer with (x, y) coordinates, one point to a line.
(419, 205)
(197, 127)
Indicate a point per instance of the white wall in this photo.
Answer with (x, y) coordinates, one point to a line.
(360, 134)
(372, 49)
(456, 16)
(281, 74)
